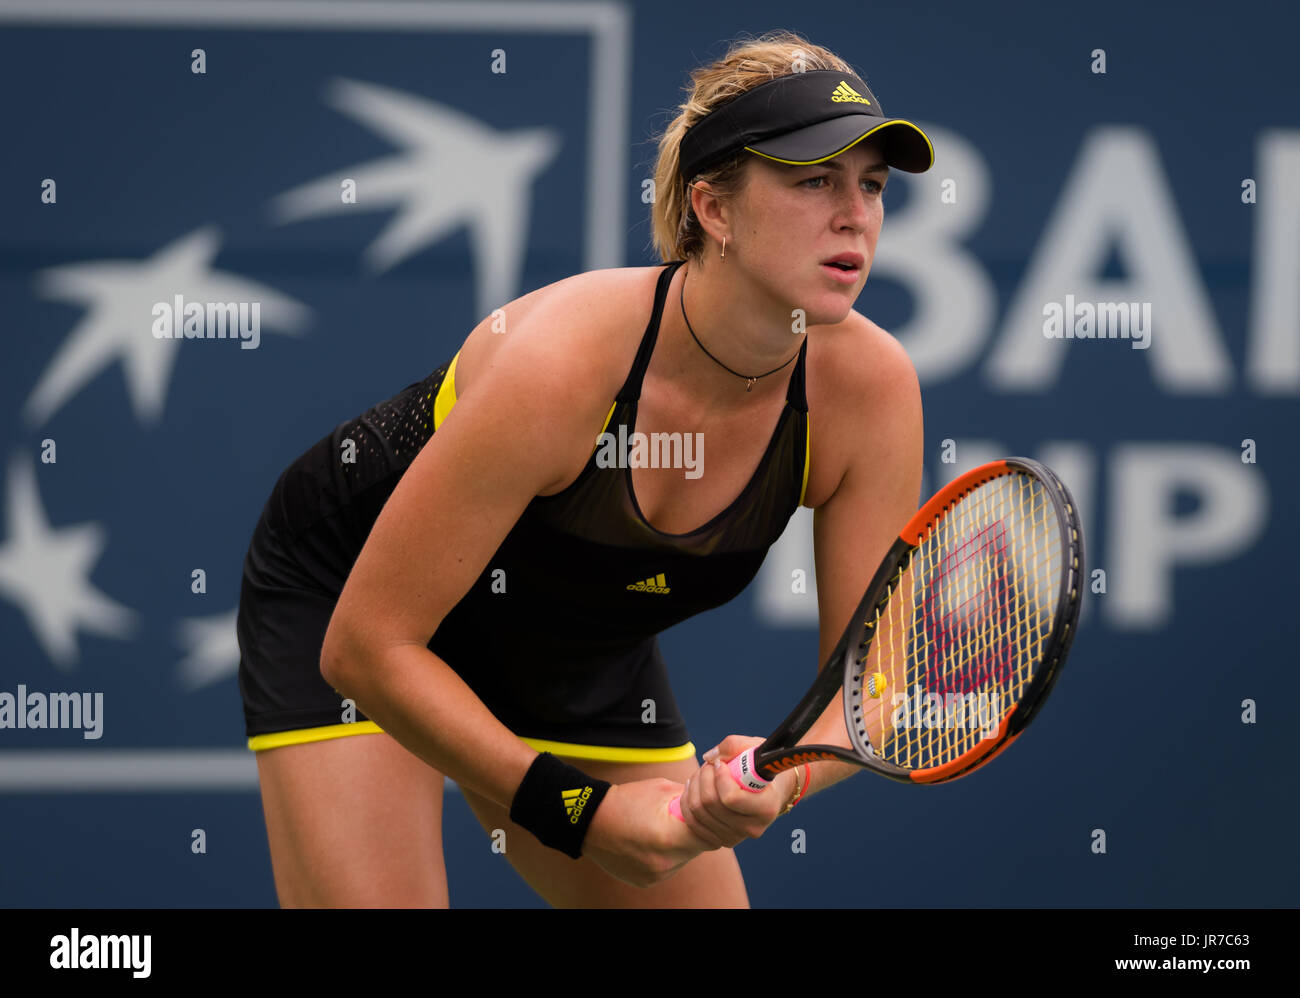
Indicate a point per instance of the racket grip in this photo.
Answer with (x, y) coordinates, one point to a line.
(742, 770)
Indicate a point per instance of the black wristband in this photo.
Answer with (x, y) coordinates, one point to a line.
(556, 802)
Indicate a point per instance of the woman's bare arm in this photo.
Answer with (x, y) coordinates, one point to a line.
(525, 427)
(881, 436)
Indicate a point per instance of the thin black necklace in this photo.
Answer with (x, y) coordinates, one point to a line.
(750, 386)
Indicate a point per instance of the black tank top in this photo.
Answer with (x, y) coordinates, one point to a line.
(568, 607)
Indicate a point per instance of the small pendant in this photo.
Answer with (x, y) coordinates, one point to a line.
(750, 387)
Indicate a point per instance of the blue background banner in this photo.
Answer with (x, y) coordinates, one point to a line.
(127, 462)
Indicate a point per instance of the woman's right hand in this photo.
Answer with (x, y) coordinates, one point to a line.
(635, 838)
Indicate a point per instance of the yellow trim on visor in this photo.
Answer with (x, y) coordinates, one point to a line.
(603, 753)
(885, 124)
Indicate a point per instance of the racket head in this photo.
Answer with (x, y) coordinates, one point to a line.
(963, 630)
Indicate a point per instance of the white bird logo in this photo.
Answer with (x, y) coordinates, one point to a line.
(453, 171)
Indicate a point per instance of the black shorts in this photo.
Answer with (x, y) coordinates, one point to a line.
(310, 532)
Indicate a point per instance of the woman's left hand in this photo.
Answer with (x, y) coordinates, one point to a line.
(722, 812)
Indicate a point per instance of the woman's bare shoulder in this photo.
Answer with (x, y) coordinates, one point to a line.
(858, 359)
(587, 325)
(863, 397)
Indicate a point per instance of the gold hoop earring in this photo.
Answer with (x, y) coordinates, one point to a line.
(724, 247)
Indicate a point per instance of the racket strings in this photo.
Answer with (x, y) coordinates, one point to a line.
(958, 641)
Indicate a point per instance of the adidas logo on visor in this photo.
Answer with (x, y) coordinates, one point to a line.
(844, 92)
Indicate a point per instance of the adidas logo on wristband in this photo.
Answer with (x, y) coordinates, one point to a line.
(574, 802)
(533, 806)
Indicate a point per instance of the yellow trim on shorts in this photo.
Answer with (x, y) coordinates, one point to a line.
(299, 736)
(612, 753)
(446, 394)
(604, 753)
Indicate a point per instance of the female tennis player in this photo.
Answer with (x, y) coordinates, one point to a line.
(466, 581)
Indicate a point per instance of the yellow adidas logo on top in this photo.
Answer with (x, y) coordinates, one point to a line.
(844, 92)
(574, 802)
(654, 584)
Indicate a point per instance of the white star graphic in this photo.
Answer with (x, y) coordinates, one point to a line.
(47, 572)
(120, 296)
(212, 647)
(455, 171)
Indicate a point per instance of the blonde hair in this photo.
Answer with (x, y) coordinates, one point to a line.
(676, 232)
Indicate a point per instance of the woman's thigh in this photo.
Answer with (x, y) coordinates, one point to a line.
(711, 880)
(353, 822)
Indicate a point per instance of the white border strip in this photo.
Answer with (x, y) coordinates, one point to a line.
(118, 771)
(364, 15)
(609, 85)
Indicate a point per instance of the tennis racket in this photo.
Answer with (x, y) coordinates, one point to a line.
(958, 640)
